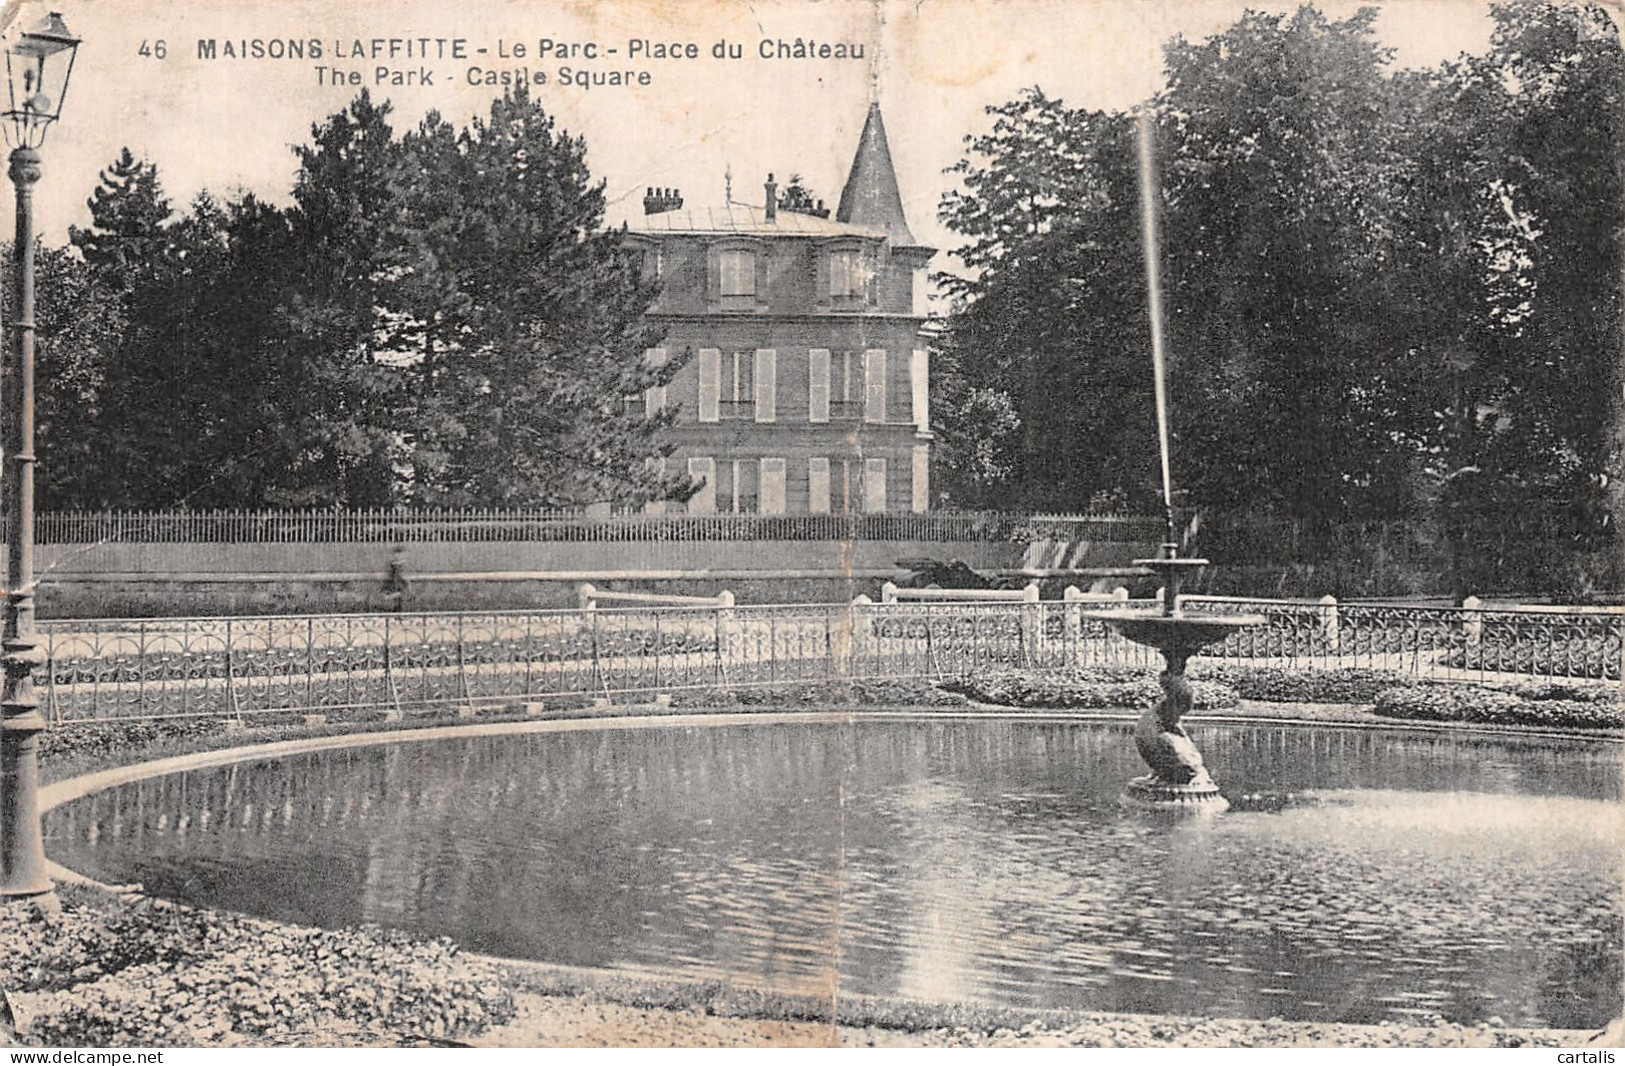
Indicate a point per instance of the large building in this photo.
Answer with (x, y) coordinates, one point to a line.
(805, 387)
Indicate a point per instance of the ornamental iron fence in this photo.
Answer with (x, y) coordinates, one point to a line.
(475, 525)
(182, 667)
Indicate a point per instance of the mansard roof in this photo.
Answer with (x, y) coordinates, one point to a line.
(750, 221)
(871, 197)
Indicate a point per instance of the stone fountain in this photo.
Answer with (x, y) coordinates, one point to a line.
(1178, 780)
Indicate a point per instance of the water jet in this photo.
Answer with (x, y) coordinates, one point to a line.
(1179, 780)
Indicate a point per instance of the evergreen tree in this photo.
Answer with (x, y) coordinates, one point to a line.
(129, 215)
(524, 320)
(338, 396)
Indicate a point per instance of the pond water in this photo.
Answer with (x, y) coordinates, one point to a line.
(1362, 876)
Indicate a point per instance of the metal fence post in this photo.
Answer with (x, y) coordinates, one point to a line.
(1329, 620)
(1032, 625)
(231, 674)
(1472, 621)
(1072, 624)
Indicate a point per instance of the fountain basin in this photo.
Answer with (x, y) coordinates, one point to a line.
(1178, 631)
(1366, 874)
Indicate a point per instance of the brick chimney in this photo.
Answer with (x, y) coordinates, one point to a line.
(772, 198)
(659, 201)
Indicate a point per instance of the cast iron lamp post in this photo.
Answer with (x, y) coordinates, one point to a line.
(38, 65)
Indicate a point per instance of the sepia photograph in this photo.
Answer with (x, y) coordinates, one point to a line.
(823, 524)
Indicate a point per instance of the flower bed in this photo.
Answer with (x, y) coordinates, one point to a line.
(1559, 706)
(898, 692)
(1092, 688)
(1281, 685)
(124, 972)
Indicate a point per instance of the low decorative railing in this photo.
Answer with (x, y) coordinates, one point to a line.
(474, 525)
(313, 663)
(1453, 643)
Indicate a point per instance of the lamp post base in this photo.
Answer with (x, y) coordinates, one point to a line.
(22, 852)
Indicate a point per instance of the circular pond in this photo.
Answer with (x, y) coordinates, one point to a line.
(1363, 875)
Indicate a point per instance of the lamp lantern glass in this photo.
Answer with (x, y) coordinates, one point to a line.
(39, 63)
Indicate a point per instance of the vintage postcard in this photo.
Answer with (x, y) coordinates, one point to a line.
(862, 523)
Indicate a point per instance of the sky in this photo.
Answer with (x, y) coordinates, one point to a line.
(228, 123)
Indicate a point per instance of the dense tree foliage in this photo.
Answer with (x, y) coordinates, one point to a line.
(438, 318)
(1392, 294)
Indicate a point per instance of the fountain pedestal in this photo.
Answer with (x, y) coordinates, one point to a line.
(1179, 780)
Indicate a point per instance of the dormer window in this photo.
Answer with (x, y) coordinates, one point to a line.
(738, 272)
(737, 278)
(849, 274)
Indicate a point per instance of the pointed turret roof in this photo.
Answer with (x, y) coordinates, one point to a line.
(870, 197)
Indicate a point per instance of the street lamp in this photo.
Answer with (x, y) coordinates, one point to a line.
(38, 65)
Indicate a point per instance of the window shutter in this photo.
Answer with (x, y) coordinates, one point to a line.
(760, 261)
(818, 486)
(767, 380)
(705, 500)
(874, 381)
(654, 398)
(874, 485)
(657, 466)
(921, 487)
(919, 377)
(713, 274)
(710, 384)
(772, 486)
(818, 385)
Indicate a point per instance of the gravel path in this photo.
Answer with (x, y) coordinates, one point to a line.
(586, 1021)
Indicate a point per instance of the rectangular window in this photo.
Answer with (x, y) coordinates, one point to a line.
(738, 271)
(767, 379)
(874, 385)
(921, 487)
(846, 381)
(654, 397)
(710, 373)
(874, 485)
(818, 385)
(705, 500)
(844, 478)
(818, 486)
(743, 495)
(772, 486)
(738, 385)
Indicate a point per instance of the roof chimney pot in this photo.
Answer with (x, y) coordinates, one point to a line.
(658, 201)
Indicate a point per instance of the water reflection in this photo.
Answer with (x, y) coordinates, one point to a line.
(1410, 874)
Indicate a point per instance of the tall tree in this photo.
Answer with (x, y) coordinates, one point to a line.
(79, 324)
(129, 215)
(1044, 370)
(336, 387)
(525, 320)
(1281, 174)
